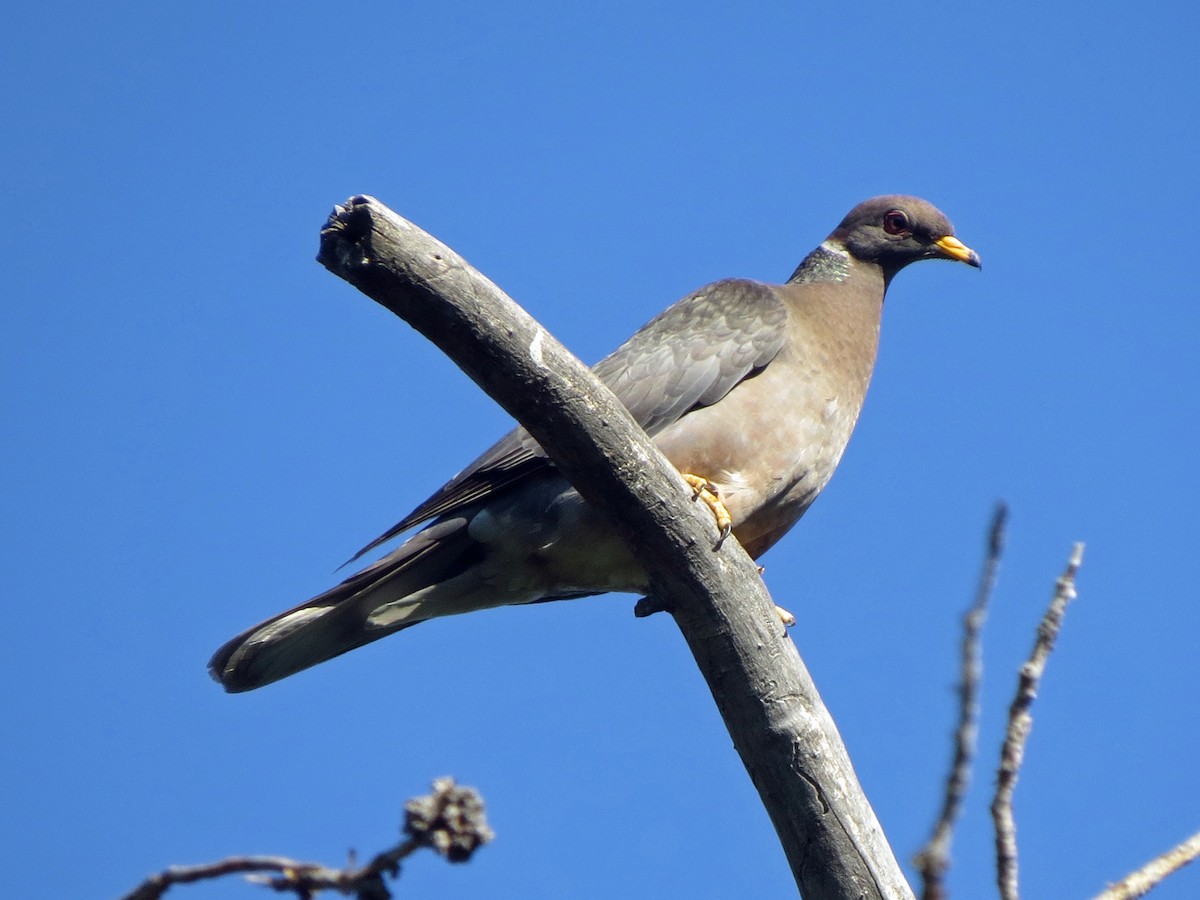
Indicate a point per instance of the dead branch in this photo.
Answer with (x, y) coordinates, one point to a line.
(786, 738)
(450, 820)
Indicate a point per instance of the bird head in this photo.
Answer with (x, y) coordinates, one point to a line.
(895, 230)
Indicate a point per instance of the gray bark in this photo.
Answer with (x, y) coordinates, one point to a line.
(785, 736)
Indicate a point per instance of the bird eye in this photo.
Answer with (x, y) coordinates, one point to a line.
(895, 222)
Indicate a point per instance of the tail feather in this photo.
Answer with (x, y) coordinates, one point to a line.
(348, 616)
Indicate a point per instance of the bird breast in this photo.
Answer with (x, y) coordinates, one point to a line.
(772, 444)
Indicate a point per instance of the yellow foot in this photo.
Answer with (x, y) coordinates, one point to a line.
(707, 491)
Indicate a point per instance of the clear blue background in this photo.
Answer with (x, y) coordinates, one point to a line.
(201, 423)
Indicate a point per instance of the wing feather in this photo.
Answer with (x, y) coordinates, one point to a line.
(688, 357)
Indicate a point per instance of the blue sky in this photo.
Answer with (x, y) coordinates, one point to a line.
(202, 423)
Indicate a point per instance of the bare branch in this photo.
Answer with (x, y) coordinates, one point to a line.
(786, 738)
(1020, 721)
(1148, 876)
(451, 821)
(933, 861)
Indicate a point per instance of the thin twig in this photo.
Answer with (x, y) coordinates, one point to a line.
(450, 820)
(933, 861)
(156, 885)
(1020, 721)
(1135, 884)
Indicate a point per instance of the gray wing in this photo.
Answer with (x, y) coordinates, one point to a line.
(688, 357)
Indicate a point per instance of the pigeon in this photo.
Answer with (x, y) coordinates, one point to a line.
(750, 389)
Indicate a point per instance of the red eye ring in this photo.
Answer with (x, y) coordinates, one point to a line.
(895, 221)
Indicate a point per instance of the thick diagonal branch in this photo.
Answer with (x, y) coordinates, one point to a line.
(782, 731)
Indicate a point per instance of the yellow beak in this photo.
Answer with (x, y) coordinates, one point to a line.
(953, 248)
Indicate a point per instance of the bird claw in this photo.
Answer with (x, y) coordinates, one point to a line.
(785, 617)
(703, 489)
(726, 530)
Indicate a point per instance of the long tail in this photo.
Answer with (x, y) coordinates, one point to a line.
(429, 575)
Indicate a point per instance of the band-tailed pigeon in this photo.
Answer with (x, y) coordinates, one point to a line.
(749, 387)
